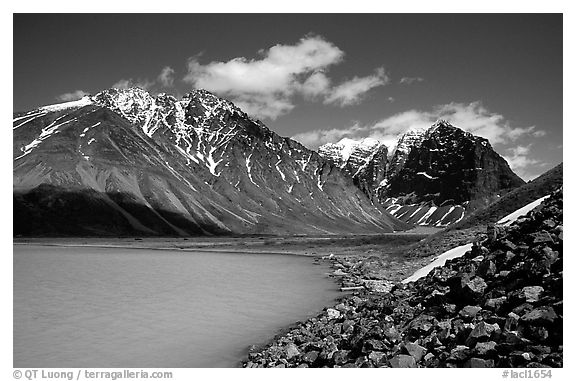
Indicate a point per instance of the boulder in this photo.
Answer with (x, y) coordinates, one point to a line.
(469, 312)
(485, 349)
(377, 358)
(475, 362)
(403, 361)
(531, 293)
(332, 313)
(459, 354)
(310, 357)
(541, 237)
(415, 351)
(340, 357)
(511, 322)
(494, 304)
(540, 315)
(291, 350)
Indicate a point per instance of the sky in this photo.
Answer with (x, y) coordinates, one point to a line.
(319, 77)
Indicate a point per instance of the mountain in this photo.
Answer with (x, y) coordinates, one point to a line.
(124, 162)
(433, 177)
(476, 223)
(365, 161)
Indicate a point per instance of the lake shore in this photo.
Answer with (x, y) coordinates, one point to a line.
(391, 243)
(359, 264)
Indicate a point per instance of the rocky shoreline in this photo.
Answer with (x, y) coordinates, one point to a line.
(500, 305)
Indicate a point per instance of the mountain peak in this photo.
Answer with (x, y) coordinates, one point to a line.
(440, 123)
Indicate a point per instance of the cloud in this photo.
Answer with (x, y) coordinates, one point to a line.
(315, 85)
(472, 117)
(166, 77)
(351, 92)
(410, 80)
(314, 139)
(127, 83)
(72, 96)
(521, 163)
(164, 80)
(264, 106)
(266, 86)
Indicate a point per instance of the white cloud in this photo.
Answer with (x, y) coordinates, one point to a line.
(316, 138)
(315, 85)
(127, 83)
(264, 106)
(351, 92)
(472, 117)
(277, 72)
(166, 77)
(521, 163)
(266, 86)
(72, 96)
(410, 80)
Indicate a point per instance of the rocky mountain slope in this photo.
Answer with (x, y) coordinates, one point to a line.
(433, 177)
(475, 224)
(365, 161)
(124, 162)
(499, 305)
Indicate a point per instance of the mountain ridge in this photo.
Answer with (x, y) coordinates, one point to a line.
(200, 158)
(433, 176)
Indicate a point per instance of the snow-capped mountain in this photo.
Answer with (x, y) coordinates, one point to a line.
(365, 161)
(127, 162)
(433, 176)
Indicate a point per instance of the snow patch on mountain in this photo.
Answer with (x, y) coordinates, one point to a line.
(514, 216)
(438, 262)
(84, 101)
(44, 134)
(427, 175)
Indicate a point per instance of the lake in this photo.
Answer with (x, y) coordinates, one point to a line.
(108, 307)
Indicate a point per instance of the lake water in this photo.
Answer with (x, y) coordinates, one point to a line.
(102, 307)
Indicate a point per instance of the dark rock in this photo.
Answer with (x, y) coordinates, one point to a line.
(531, 293)
(487, 268)
(347, 326)
(475, 362)
(377, 358)
(340, 357)
(403, 361)
(469, 312)
(459, 354)
(415, 351)
(541, 237)
(485, 349)
(481, 332)
(310, 357)
(495, 304)
(534, 364)
(373, 345)
(507, 245)
(523, 308)
(540, 315)
(291, 350)
(511, 322)
(536, 333)
(422, 324)
(475, 287)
